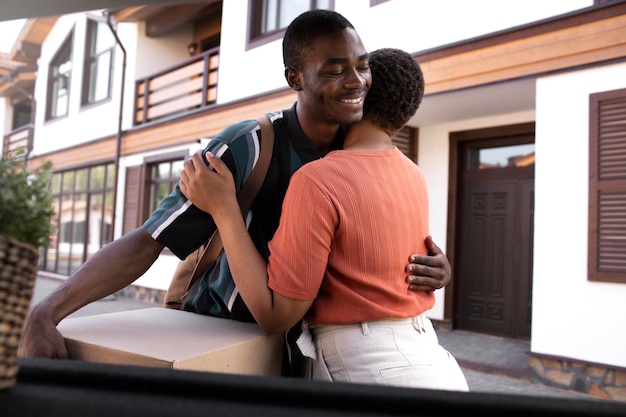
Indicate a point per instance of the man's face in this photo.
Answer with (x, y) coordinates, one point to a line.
(336, 78)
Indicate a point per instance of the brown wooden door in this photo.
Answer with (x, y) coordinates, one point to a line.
(493, 271)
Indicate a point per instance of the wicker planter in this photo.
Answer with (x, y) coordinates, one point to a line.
(18, 269)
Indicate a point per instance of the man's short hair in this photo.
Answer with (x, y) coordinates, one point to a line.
(396, 91)
(304, 29)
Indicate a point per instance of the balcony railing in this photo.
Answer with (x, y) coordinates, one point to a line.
(21, 137)
(188, 86)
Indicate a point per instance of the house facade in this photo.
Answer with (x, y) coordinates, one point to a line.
(521, 136)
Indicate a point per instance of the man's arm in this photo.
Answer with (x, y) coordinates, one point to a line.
(112, 268)
(272, 311)
(428, 272)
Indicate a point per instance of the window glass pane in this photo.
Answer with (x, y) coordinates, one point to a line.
(323, 4)
(110, 169)
(162, 170)
(97, 177)
(165, 176)
(56, 183)
(62, 71)
(268, 19)
(98, 61)
(79, 232)
(80, 207)
(103, 38)
(160, 192)
(83, 218)
(290, 9)
(68, 181)
(82, 179)
(515, 156)
(177, 167)
(108, 219)
(100, 77)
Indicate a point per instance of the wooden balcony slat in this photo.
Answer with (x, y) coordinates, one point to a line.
(188, 71)
(213, 78)
(190, 86)
(211, 95)
(214, 61)
(20, 138)
(175, 106)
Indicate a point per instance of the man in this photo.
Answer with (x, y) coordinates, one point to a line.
(330, 93)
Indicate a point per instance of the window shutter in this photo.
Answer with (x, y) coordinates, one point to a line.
(406, 141)
(607, 187)
(132, 199)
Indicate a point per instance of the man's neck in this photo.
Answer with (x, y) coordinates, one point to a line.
(320, 133)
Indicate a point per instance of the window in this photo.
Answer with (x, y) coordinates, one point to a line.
(507, 156)
(59, 76)
(83, 202)
(268, 18)
(147, 185)
(99, 52)
(163, 177)
(22, 113)
(607, 187)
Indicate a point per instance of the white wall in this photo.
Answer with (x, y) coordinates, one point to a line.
(563, 323)
(156, 54)
(81, 124)
(245, 73)
(144, 56)
(420, 25)
(407, 24)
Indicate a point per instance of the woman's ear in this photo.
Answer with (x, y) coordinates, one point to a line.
(293, 79)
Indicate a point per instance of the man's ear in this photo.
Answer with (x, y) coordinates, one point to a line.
(293, 79)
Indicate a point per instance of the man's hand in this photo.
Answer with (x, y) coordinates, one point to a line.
(428, 273)
(211, 191)
(113, 267)
(40, 337)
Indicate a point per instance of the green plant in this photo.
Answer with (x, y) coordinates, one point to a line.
(26, 206)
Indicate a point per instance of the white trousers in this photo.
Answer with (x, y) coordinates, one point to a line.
(400, 352)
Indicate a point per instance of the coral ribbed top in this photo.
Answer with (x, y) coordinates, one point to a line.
(348, 225)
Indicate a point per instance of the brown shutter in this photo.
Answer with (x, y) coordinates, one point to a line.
(406, 141)
(132, 198)
(607, 187)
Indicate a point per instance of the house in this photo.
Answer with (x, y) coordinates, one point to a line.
(521, 136)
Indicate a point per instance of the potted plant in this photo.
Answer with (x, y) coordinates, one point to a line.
(26, 211)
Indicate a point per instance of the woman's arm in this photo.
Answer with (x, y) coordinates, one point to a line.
(214, 192)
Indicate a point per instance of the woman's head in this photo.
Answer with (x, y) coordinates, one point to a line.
(396, 91)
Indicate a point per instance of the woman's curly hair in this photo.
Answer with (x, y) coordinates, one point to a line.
(396, 91)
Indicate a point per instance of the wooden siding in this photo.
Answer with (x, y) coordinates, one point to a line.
(204, 125)
(531, 54)
(87, 154)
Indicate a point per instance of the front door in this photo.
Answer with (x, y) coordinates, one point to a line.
(493, 272)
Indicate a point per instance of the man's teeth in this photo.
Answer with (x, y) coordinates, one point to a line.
(351, 100)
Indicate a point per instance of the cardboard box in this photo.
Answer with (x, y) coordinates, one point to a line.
(163, 337)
